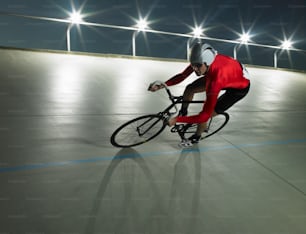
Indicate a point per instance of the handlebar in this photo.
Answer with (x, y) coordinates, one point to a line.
(170, 95)
(162, 84)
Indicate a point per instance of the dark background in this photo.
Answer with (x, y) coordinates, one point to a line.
(269, 22)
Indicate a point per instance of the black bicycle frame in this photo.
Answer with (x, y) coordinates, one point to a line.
(178, 100)
(165, 114)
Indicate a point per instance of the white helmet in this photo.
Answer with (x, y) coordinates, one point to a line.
(202, 53)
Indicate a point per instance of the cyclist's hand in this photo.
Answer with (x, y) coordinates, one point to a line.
(172, 121)
(156, 85)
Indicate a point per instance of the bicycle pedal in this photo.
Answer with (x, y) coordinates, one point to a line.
(173, 129)
(185, 144)
(177, 128)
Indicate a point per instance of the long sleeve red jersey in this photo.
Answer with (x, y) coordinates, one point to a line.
(225, 72)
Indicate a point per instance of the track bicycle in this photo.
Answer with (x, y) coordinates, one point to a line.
(144, 128)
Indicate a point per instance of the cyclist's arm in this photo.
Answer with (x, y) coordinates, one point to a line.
(156, 85)
(207, 111)
(178, 78)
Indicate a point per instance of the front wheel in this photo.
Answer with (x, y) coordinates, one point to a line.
(138, 131)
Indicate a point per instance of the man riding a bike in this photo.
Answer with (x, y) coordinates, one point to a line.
(217, 72)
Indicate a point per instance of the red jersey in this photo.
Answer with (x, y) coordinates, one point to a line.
(225, 72)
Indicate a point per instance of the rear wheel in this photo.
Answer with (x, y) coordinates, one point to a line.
(214, 125)
(138, 131)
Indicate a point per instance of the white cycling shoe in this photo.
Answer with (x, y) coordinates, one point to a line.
(194, 139)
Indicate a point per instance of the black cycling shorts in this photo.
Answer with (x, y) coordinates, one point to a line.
(229, 98)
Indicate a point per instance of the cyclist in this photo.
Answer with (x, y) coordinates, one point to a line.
(217, 72)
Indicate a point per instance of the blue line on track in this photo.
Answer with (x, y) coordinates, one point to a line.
(149, 154)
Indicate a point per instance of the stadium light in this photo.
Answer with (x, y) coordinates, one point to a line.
(244, 39)
(286, 45)
(75, 18)
(196, 33)
(141, 25)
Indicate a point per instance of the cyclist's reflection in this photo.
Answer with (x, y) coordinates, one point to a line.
(185, 192)
(129, 198)
(111, 181)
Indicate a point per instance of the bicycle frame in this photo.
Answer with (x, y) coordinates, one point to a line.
(174, 101)
(166, 113)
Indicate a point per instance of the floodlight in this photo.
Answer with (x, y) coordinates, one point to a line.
(286, 44)
(142, 24)
(76, 17)
(197, 31)
(245, 38)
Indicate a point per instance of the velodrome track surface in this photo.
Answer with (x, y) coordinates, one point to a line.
(60, 174)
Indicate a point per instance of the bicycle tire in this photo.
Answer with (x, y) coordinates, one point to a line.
(129, 135)
(216, 124)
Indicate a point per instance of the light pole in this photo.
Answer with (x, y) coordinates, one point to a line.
(188, 46)
(141, 25)
(244, 38)
(286, 46)
(275, 58)
(134, 42)
(68, 37)
(235, 51)
(75, 18)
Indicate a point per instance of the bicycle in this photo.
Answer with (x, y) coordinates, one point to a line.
(144, 128)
